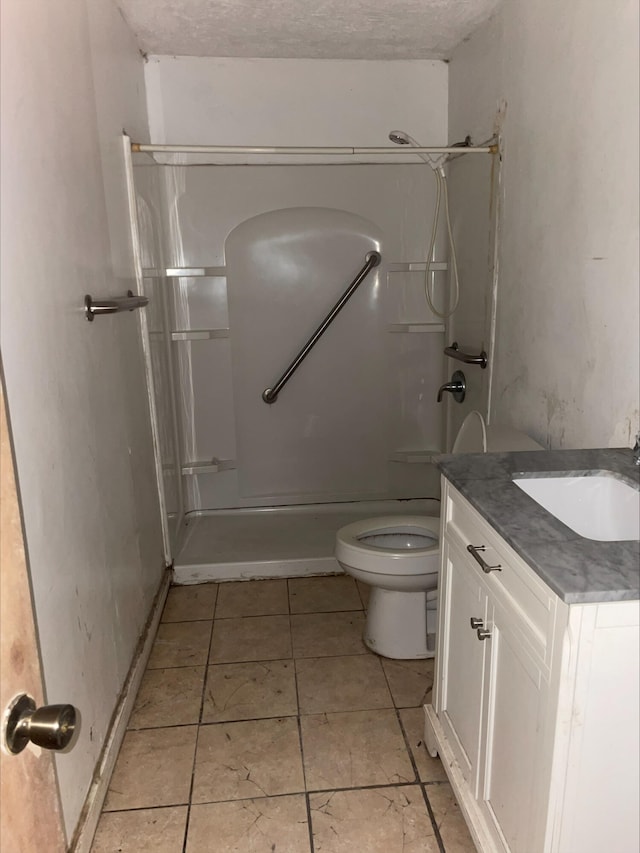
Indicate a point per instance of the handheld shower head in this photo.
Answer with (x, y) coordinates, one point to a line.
(399, 137)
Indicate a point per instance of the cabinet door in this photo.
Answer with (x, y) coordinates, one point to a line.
(515, 741)
(462, 660)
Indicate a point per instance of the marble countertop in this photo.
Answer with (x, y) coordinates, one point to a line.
(579, 570)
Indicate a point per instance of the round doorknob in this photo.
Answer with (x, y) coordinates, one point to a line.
(51, 726)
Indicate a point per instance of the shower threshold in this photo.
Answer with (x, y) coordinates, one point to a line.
(275, 542)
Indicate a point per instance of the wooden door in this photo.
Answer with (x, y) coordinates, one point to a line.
(30, 818)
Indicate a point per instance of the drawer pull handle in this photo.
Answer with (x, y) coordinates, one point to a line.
(483, 634)
(473, 550)
(476, 623)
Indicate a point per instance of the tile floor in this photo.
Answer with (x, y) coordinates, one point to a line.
(264, 724)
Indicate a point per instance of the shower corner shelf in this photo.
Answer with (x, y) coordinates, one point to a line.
(418, 266)
(415, 457)
(199, 334)
(208, 466)
(196, 272)
(415, 328)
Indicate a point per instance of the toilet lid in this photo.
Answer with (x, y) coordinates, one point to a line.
(472, 435)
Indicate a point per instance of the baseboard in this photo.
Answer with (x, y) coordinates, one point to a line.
(83, 837)
(300, 568)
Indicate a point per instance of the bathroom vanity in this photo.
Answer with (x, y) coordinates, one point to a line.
(535, 700)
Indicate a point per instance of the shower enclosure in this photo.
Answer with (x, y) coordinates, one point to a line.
(241, 263)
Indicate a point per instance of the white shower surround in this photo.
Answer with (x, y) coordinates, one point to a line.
(290, 102)
(268, 101)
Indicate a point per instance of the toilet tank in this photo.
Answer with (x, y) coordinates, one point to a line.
(503, 439)
(474, 436)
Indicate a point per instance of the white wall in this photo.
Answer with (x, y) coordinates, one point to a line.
(71, 80)
(197, 100)
(567, 326)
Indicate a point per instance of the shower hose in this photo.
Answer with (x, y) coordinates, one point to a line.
(441, 190)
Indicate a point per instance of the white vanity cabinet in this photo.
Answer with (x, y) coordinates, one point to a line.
(535, 702)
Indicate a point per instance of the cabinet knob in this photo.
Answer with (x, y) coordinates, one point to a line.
(476, 623)
(483, 634)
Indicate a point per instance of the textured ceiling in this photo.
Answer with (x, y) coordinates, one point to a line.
(305, 29)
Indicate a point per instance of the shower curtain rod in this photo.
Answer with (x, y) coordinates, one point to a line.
(256, 149)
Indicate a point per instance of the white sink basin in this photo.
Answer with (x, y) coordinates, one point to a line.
(599, 507)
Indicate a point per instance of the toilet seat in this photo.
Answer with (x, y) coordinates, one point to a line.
(360, 540)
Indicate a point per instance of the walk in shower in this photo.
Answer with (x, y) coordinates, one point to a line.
(241, 262)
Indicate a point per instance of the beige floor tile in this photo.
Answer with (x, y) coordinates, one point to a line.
(323, 594)
(153, 769)
(350, 683)
(250, 826)
(348, 750)
(250, 638)
(328, 634)
(190, 603)
(168, 697)
(248, 691)
(365, 591)
(452, 826)
(141, 831)
(180, 644)
(409, 680)
(379, 820)
(252, 598)
(243, 760)
(429, 769)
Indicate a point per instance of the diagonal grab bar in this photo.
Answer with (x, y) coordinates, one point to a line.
(372, 259)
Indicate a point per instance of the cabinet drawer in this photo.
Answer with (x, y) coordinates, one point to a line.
(515, 585)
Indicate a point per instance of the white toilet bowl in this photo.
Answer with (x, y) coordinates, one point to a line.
(399, 557)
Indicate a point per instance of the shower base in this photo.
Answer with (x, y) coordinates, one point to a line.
(275, 542)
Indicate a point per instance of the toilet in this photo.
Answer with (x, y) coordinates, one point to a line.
(399, 558)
